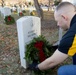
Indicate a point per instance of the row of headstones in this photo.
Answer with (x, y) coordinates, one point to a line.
(14, 8)
(5, 11)
(22, 8)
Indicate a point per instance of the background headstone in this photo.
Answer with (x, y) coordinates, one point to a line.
(27, 28)
(19, 10)
(14, 8)
(5, 11)
(60, 34)
(0, 10)
(23, 8)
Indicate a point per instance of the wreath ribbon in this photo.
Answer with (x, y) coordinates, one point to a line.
(39, 46)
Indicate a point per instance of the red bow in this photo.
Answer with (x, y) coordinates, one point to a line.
(9, 18)
(39, 46)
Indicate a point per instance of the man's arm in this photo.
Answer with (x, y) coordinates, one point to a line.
(55, 59)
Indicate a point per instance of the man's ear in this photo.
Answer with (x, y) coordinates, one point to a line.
(64, 17)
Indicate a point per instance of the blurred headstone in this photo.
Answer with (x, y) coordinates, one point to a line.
(19, 10)
(5, 11)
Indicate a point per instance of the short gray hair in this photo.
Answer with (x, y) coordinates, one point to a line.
(64, 4)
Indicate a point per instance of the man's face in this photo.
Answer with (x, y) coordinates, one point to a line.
(61, 21)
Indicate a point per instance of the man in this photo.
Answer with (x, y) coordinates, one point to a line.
(65, 15)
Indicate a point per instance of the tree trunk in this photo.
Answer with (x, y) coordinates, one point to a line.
(38, 8)
(2, 3)
(49, 5)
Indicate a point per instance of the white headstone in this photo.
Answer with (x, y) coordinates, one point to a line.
(60, 37)
(0, 10)
(19, 10)
(13, 8)
(5, 11)
(23, 7)
(30, 9)
(28, 28)
(60, 34)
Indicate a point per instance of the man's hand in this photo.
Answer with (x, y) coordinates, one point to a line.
(33, 66)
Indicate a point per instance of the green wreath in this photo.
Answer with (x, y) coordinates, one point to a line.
(9, 20)
(37, 51)
(56, 2)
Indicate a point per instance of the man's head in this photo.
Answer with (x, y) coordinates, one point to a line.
(63, 14)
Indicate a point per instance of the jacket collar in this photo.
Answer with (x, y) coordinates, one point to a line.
(73, 20)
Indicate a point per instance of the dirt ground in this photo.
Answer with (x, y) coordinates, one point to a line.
(9, 49)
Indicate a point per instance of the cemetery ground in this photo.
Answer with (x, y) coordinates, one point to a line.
(9, 49)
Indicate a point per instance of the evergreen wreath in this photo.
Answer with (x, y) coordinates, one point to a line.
(37, 51)
(9, 20)
(56, 2)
